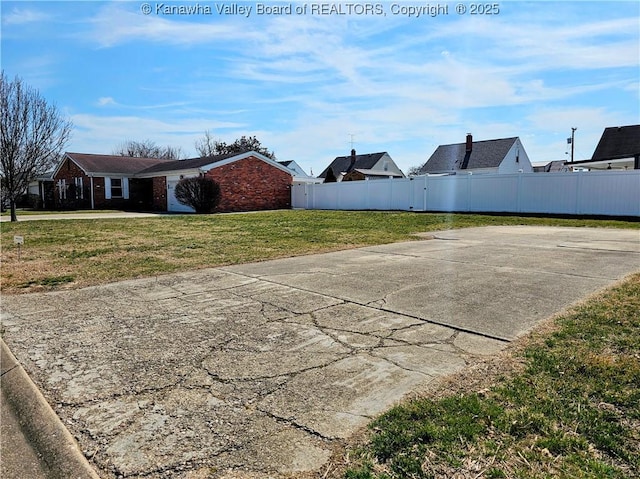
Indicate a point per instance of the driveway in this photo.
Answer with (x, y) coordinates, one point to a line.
(261, 369)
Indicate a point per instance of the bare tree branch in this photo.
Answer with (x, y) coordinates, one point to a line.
(33, 135)
(208, 146)
(148, 149)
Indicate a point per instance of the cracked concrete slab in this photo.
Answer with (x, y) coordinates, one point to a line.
(257, 370)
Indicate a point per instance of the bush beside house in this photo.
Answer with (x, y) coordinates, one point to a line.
(200, 193)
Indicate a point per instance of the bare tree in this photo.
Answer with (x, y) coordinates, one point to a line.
(414, 170)
(208, 146)
(33, 135)
(148, 149)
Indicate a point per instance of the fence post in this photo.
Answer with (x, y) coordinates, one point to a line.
(519, 193)
(577, 208)
(424, 193)
(306, 196)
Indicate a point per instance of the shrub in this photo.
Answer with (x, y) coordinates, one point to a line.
(200, 193)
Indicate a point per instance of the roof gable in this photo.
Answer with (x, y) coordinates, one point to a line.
(207, 163)
(484, 154)
(618, 142)
(111, 164)
(178, 165)
(342, 164)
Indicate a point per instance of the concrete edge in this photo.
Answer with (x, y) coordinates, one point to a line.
(40, 424)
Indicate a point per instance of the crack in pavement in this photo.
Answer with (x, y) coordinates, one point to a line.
(376, 307)
(269, 366)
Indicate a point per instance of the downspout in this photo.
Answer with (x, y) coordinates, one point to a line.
(93, 206)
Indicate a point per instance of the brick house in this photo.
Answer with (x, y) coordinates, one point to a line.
(248, 181)
(87, 181)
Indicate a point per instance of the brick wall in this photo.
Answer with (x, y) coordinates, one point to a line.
(160, 193)
(251, 184)
(69, 172)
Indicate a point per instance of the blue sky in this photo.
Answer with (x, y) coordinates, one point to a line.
(308, 84)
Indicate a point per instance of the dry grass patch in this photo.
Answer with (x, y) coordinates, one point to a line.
(87, 252)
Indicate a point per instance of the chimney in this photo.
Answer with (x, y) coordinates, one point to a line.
(353, 158)
(467, 152)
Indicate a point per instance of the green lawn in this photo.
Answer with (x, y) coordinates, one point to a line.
(76, 253)
(569, 408)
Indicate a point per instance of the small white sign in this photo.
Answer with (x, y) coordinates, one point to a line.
(18, 239)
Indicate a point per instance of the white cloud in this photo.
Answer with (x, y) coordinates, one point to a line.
(106, 100)
(115, 25)
(101, 134)
(23, 16)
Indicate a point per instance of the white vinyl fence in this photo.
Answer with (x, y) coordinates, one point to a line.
(611, 193)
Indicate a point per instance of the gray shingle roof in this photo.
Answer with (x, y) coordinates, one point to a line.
(618, 142)
(342, 164)
(484, 154)
(176, 165)
(121, 165)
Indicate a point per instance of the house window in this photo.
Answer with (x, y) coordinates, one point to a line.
(116, 187)
(62, 189)
(79, 189)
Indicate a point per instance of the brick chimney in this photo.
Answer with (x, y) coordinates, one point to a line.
(353, 159)
(469, 146)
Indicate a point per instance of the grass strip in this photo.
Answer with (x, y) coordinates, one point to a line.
(96, 251)
(570, 408)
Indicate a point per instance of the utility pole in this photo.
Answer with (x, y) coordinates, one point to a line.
(573, 135)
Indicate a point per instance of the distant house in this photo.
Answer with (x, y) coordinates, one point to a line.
(293, 166)
(505, 155)
(556, 166)
(299, 175)
(618, 148)
(248, 181)
(354, 167)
